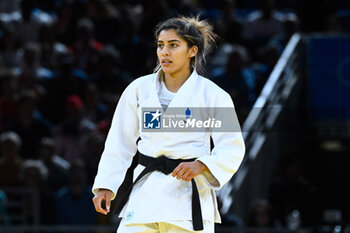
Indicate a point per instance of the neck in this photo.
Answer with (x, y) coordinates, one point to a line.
(175, 81)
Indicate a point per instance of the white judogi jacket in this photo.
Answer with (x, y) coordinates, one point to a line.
(158, 197)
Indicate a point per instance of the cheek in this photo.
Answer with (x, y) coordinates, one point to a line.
(180, 54)
(183, 57)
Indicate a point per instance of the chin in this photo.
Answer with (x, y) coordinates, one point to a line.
(167, 70)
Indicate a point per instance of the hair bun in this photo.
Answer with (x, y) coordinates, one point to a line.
(205, 28)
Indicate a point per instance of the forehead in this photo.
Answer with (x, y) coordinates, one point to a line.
(168, 35)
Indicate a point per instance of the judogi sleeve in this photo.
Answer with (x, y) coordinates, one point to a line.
(120, 145)
(228, 151)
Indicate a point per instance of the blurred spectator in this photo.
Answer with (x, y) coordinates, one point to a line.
(50, 47)
(72, 133)
(267, 58)
(106, 19)
(127, 35)
(292, 191)
(57, 167)
(29, 125)
(31, 73)
(219, 59)
(229, 219)
(137, 50)
(10, 160)
(94, 110)
(238, 79)
(9, 5)
(67, 81)
(261, 25)
(29, 26)
(73, 202)
(85, 47)
(110, 79)
(185, 7)
(9, 98)
(104, 125)
(136, 42)
(262, 215)
(338, 24)
(34, 174)
(4, 219)
(291, 26)
(9, 47)
(230, 25)
(154, 11)
(67, 21)
(94, 146)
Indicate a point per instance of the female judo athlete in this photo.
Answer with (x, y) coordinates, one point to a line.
(166, 181)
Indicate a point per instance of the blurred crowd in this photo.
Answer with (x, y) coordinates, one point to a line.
(64, 64)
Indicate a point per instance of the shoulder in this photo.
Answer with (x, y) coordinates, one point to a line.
(215, 94)
(138, 88)
(142, 81)
(140, 85)
(211, 87)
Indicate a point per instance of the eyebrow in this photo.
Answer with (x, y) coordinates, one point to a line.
(170, 41)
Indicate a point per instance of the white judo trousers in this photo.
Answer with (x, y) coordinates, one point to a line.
(164, 227)
(159, 198)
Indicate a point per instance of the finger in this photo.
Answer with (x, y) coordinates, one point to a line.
(187, 176)
(104, 204)
(98, 204)
(181, 172)
(177, 169)
(108, 204)
(96, 201)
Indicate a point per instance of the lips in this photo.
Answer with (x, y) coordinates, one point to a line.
(166, 62)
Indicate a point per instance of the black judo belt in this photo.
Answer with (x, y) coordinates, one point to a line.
(164, 165)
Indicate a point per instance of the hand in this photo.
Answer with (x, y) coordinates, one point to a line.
(101, 197)
(188, 170)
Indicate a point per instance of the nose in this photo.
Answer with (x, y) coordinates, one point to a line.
(165, 51)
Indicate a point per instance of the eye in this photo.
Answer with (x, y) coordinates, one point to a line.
(160, 45)
(174, 45)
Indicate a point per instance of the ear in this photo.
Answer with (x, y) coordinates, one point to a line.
(193, 51)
